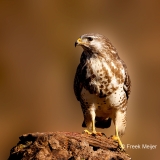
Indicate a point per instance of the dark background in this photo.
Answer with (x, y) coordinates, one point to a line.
(38, 63)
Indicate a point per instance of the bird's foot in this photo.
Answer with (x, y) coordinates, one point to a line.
(97, 133)
(117, 139)
(93, 133)
(86, 131)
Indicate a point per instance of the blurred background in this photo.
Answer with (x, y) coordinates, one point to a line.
(38, 61)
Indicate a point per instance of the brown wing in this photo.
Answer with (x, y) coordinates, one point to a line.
(127, 82)
(77, 82)
(79, 77)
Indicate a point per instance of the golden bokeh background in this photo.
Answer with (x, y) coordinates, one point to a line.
(38, 63)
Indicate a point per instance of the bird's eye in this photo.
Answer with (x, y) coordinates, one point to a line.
(90, 38)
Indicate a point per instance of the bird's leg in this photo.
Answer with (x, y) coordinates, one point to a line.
(93, 129)
(92, 118)
(117, 138)
(93, 115)
(93, 126)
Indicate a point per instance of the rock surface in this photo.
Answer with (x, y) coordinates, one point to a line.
(66, 146)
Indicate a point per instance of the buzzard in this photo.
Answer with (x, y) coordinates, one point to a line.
(102, 85)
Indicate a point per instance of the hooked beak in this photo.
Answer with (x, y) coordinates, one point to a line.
(78, 42)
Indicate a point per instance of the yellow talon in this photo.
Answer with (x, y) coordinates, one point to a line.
(119, 142)
(92, 133)
(86, 131)
(116, 138)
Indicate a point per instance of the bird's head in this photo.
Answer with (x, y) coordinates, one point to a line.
(92, 42)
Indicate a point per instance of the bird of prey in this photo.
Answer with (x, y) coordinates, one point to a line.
(102, 85)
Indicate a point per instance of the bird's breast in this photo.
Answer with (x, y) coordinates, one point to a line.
(103, 76)
(104, 107)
